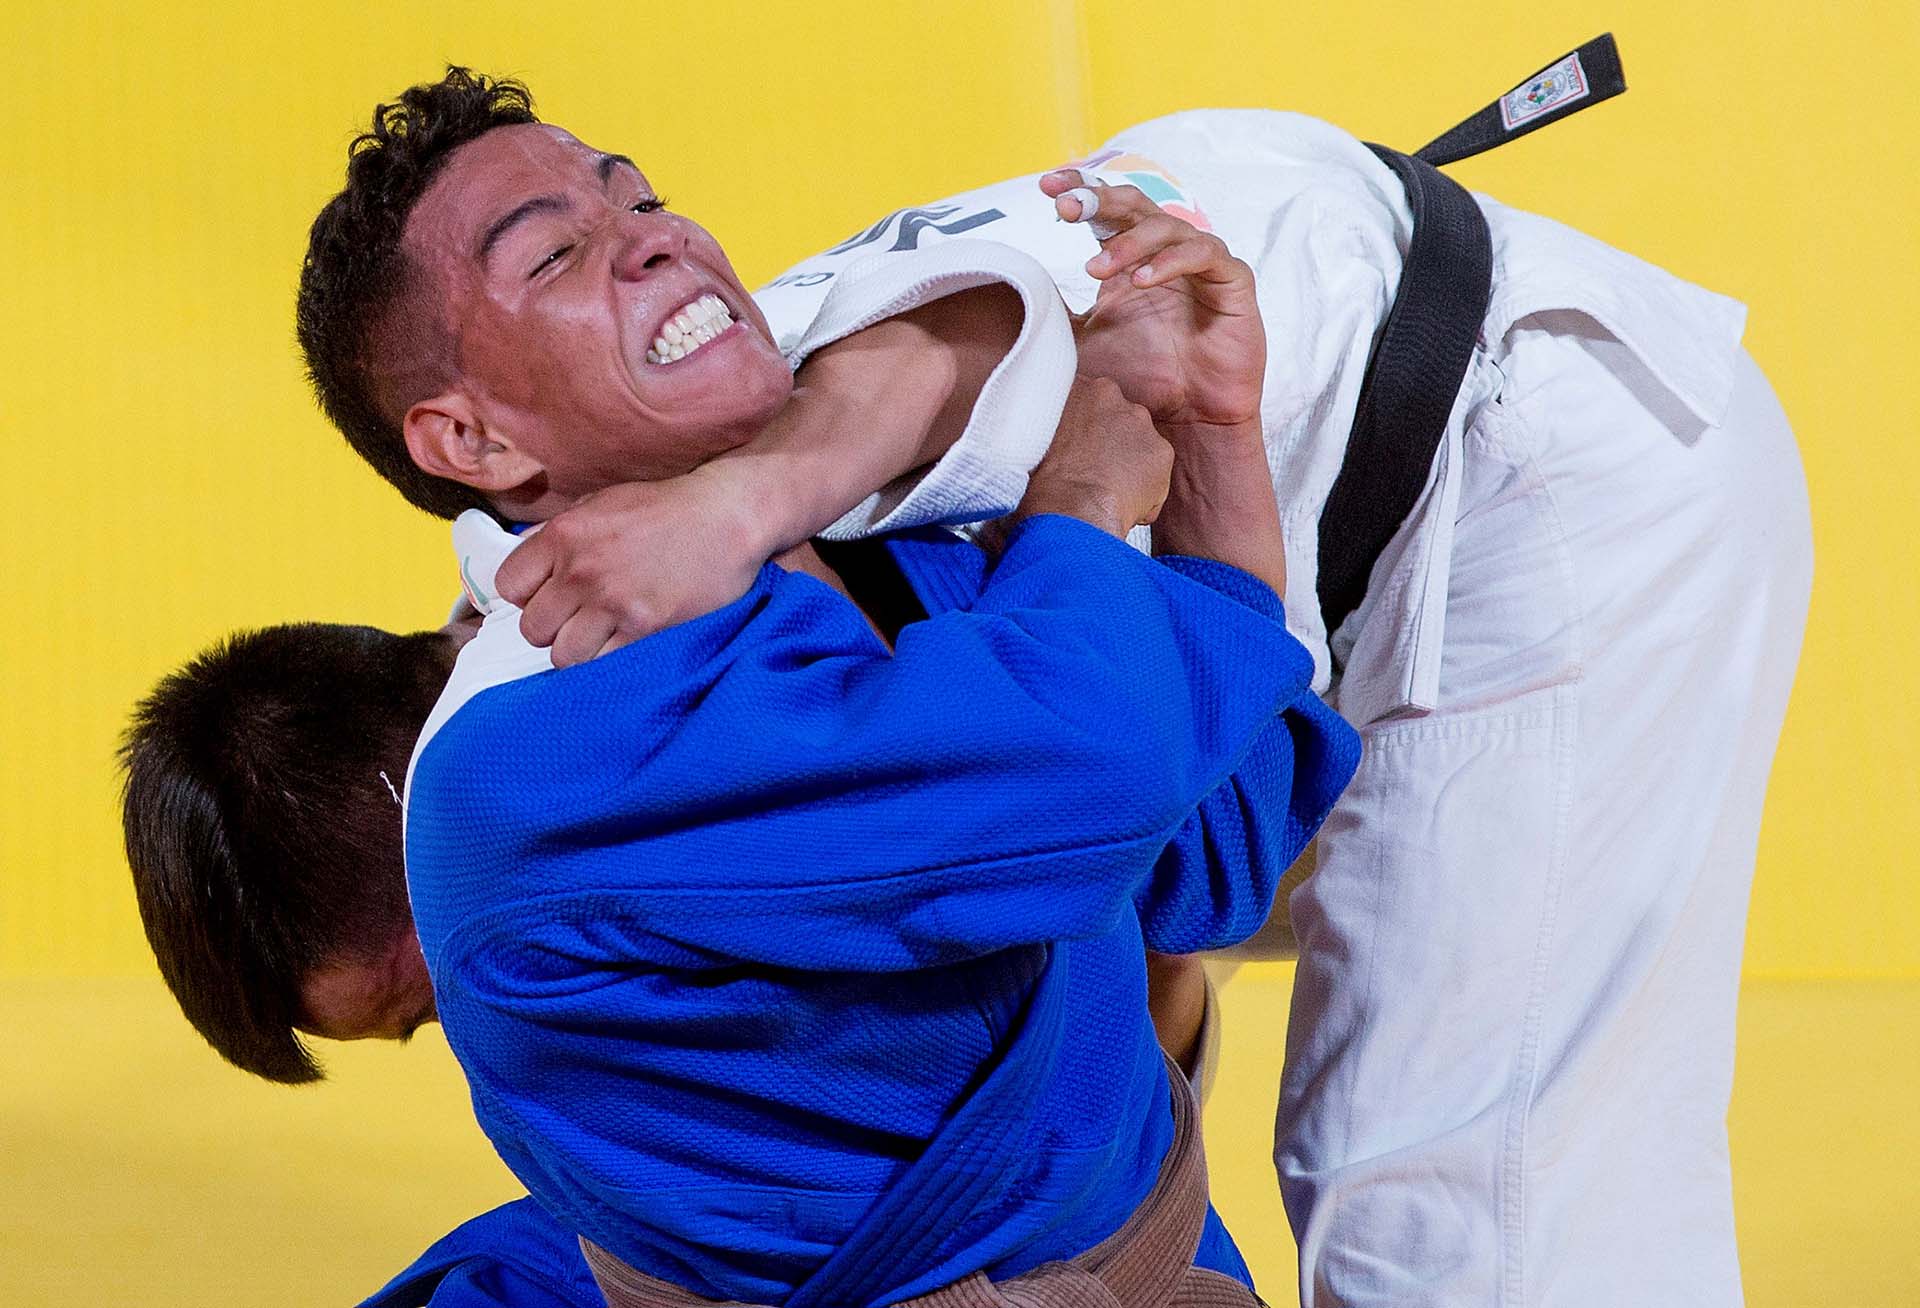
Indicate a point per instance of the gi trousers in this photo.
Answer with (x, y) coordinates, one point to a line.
(1511, 1046)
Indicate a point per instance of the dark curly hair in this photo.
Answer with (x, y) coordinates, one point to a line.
(365, 343)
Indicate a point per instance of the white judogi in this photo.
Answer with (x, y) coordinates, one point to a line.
(1511, 1048)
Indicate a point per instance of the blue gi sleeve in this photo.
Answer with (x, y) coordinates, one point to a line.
(1214, 884)
(769, 785)
(514, 1256)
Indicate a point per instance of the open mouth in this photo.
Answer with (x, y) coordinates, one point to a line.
(688, 328)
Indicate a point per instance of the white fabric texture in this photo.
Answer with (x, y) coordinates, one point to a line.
(498, 653)
(1510, 1051)
(1323, 224)
(1511, 1046)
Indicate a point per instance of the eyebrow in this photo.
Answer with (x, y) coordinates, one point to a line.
(604, 166)
(517, 215)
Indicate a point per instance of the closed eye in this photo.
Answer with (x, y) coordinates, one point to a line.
(553, 257)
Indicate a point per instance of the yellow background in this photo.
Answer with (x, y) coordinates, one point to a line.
(170, 480)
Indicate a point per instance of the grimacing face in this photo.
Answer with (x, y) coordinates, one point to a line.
(556, 268)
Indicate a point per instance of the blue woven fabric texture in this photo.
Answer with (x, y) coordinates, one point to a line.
(725, 925)
(515, 1256)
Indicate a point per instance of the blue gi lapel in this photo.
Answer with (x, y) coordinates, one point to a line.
(964, 1171)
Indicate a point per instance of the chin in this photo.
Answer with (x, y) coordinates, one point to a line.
(709, 413)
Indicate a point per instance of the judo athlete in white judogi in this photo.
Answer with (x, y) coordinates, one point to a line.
(1511, 1046)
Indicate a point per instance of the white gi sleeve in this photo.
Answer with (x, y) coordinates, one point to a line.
(985, 473)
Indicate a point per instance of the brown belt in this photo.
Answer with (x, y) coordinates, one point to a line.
(1147, 1263)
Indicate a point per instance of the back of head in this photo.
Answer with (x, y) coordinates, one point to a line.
(370, 338)
(264, 839)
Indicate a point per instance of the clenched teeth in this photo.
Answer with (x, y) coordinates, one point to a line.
(686, 331)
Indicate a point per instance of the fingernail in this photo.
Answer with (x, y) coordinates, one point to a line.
(1099, 263)
(1143, 274)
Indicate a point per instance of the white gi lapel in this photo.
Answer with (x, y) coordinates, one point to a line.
(498, 653)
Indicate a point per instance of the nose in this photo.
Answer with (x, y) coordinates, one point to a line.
(645, 243)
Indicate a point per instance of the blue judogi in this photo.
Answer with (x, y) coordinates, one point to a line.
(792, 970)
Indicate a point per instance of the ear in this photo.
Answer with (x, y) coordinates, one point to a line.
(446, 438)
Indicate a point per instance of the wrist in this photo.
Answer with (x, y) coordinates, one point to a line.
(1090, 504)
(1210, 437)
(1220, 503)
(747, 504)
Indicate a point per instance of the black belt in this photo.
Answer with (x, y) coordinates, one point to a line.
(1421, 355)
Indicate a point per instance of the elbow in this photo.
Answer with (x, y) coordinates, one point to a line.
(1145, 769)
(1146, 788)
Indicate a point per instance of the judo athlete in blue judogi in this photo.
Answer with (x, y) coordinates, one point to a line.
(788, 970)
(793, 957)
(788, 963)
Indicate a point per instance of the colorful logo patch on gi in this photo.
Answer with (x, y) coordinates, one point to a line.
(1560, 85)
(1119, 168)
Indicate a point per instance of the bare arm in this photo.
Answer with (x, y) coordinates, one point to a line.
(1221, 503)
(869, 408)
(1177, 1002)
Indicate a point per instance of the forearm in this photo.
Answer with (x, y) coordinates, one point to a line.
(1220, 504)
(867, 409)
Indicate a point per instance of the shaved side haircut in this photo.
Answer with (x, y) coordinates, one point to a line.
(372, 347)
